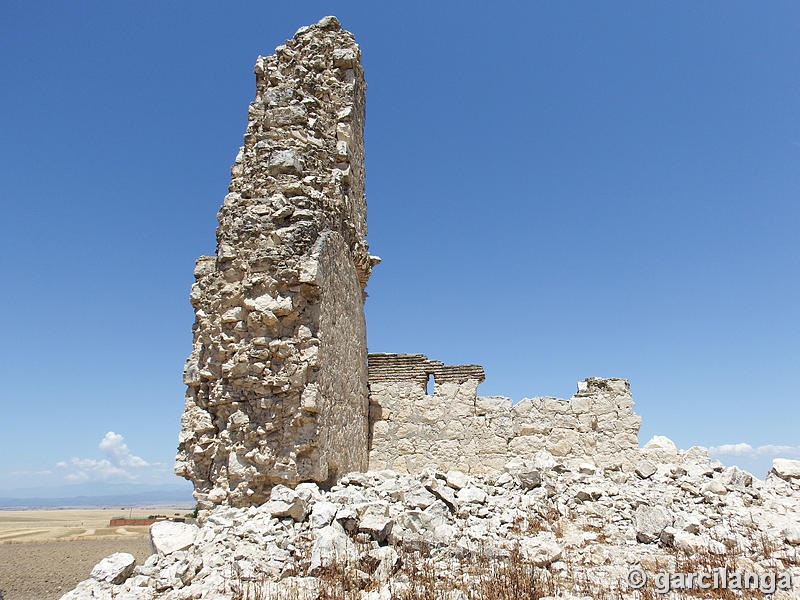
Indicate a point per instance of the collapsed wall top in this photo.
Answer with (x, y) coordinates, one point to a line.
(277, 378)
(415, 426)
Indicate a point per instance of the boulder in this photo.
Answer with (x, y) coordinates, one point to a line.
(786, 468)
(377, 526)
(526, 472)
(541, 550)
(168, 536)
(456, 479)
(443, 492)
(591, 492)
(660, 442)
(115, 568)
(544, 461)
(649, 522)
(331, 546)
(645, 469)
(792, 535)
(736, 478)
(286, 502)
(322, 514)
(714, 487)
(691, 543)
(382, 562)
(418, 497)
(471, 495)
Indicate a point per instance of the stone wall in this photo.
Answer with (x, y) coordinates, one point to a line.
(453, 428)
(277, 378)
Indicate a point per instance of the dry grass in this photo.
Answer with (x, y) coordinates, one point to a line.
(427, 573)
(546, 519)
(467, 576)
(705, 561)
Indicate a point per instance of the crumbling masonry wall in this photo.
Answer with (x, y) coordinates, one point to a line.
(453, 428)
(277, 378)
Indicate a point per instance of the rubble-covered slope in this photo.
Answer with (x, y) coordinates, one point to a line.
(567, 530)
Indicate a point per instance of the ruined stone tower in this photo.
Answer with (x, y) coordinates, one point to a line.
(277, 378)
(280, 387)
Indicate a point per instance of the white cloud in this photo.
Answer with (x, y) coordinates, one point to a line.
(77, 477)
(118, 466)
(114, 446)
(83, 469)
(746, 450)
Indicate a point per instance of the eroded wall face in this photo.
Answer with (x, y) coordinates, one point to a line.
(455, 429)
(277, 378)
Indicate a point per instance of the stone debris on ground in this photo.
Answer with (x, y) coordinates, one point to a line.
(577, 518)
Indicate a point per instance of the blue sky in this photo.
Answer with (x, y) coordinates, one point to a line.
(558, 190)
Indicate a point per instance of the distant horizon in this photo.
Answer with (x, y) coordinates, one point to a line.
(88, 492)
(97, 495)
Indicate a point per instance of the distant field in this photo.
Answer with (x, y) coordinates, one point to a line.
(47, 570)
(73, 524)
(44, 553)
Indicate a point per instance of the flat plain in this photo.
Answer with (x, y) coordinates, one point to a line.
(46, 552)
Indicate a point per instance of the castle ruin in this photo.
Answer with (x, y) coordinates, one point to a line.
(454, 428)
(280, 388)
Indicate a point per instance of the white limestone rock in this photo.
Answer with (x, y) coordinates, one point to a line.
(419, 497)
(544, 461)
(645, 469)
(650, 521)
(470, 495)
(377, 526)
(541, 550)
(381, 562)
(714, 487)
(322, 514)
(660, 442)
(168, 536)
(573, 518)
(331, 545)
(792, 534)
(736, 477)
(286, 502)
(525, 472)
(691, 543)
(786, 469)
(456, 479)
(115, 568)
(443, 492)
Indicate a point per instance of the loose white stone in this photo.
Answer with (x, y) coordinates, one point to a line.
(541, 550)
(645, 469)
(660, 442)
(168, 536)
(786, 469)
(650, 521)
(115, 568)
(331, 545)
(456, 479)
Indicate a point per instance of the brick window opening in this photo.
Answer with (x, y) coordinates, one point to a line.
(429, 385)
